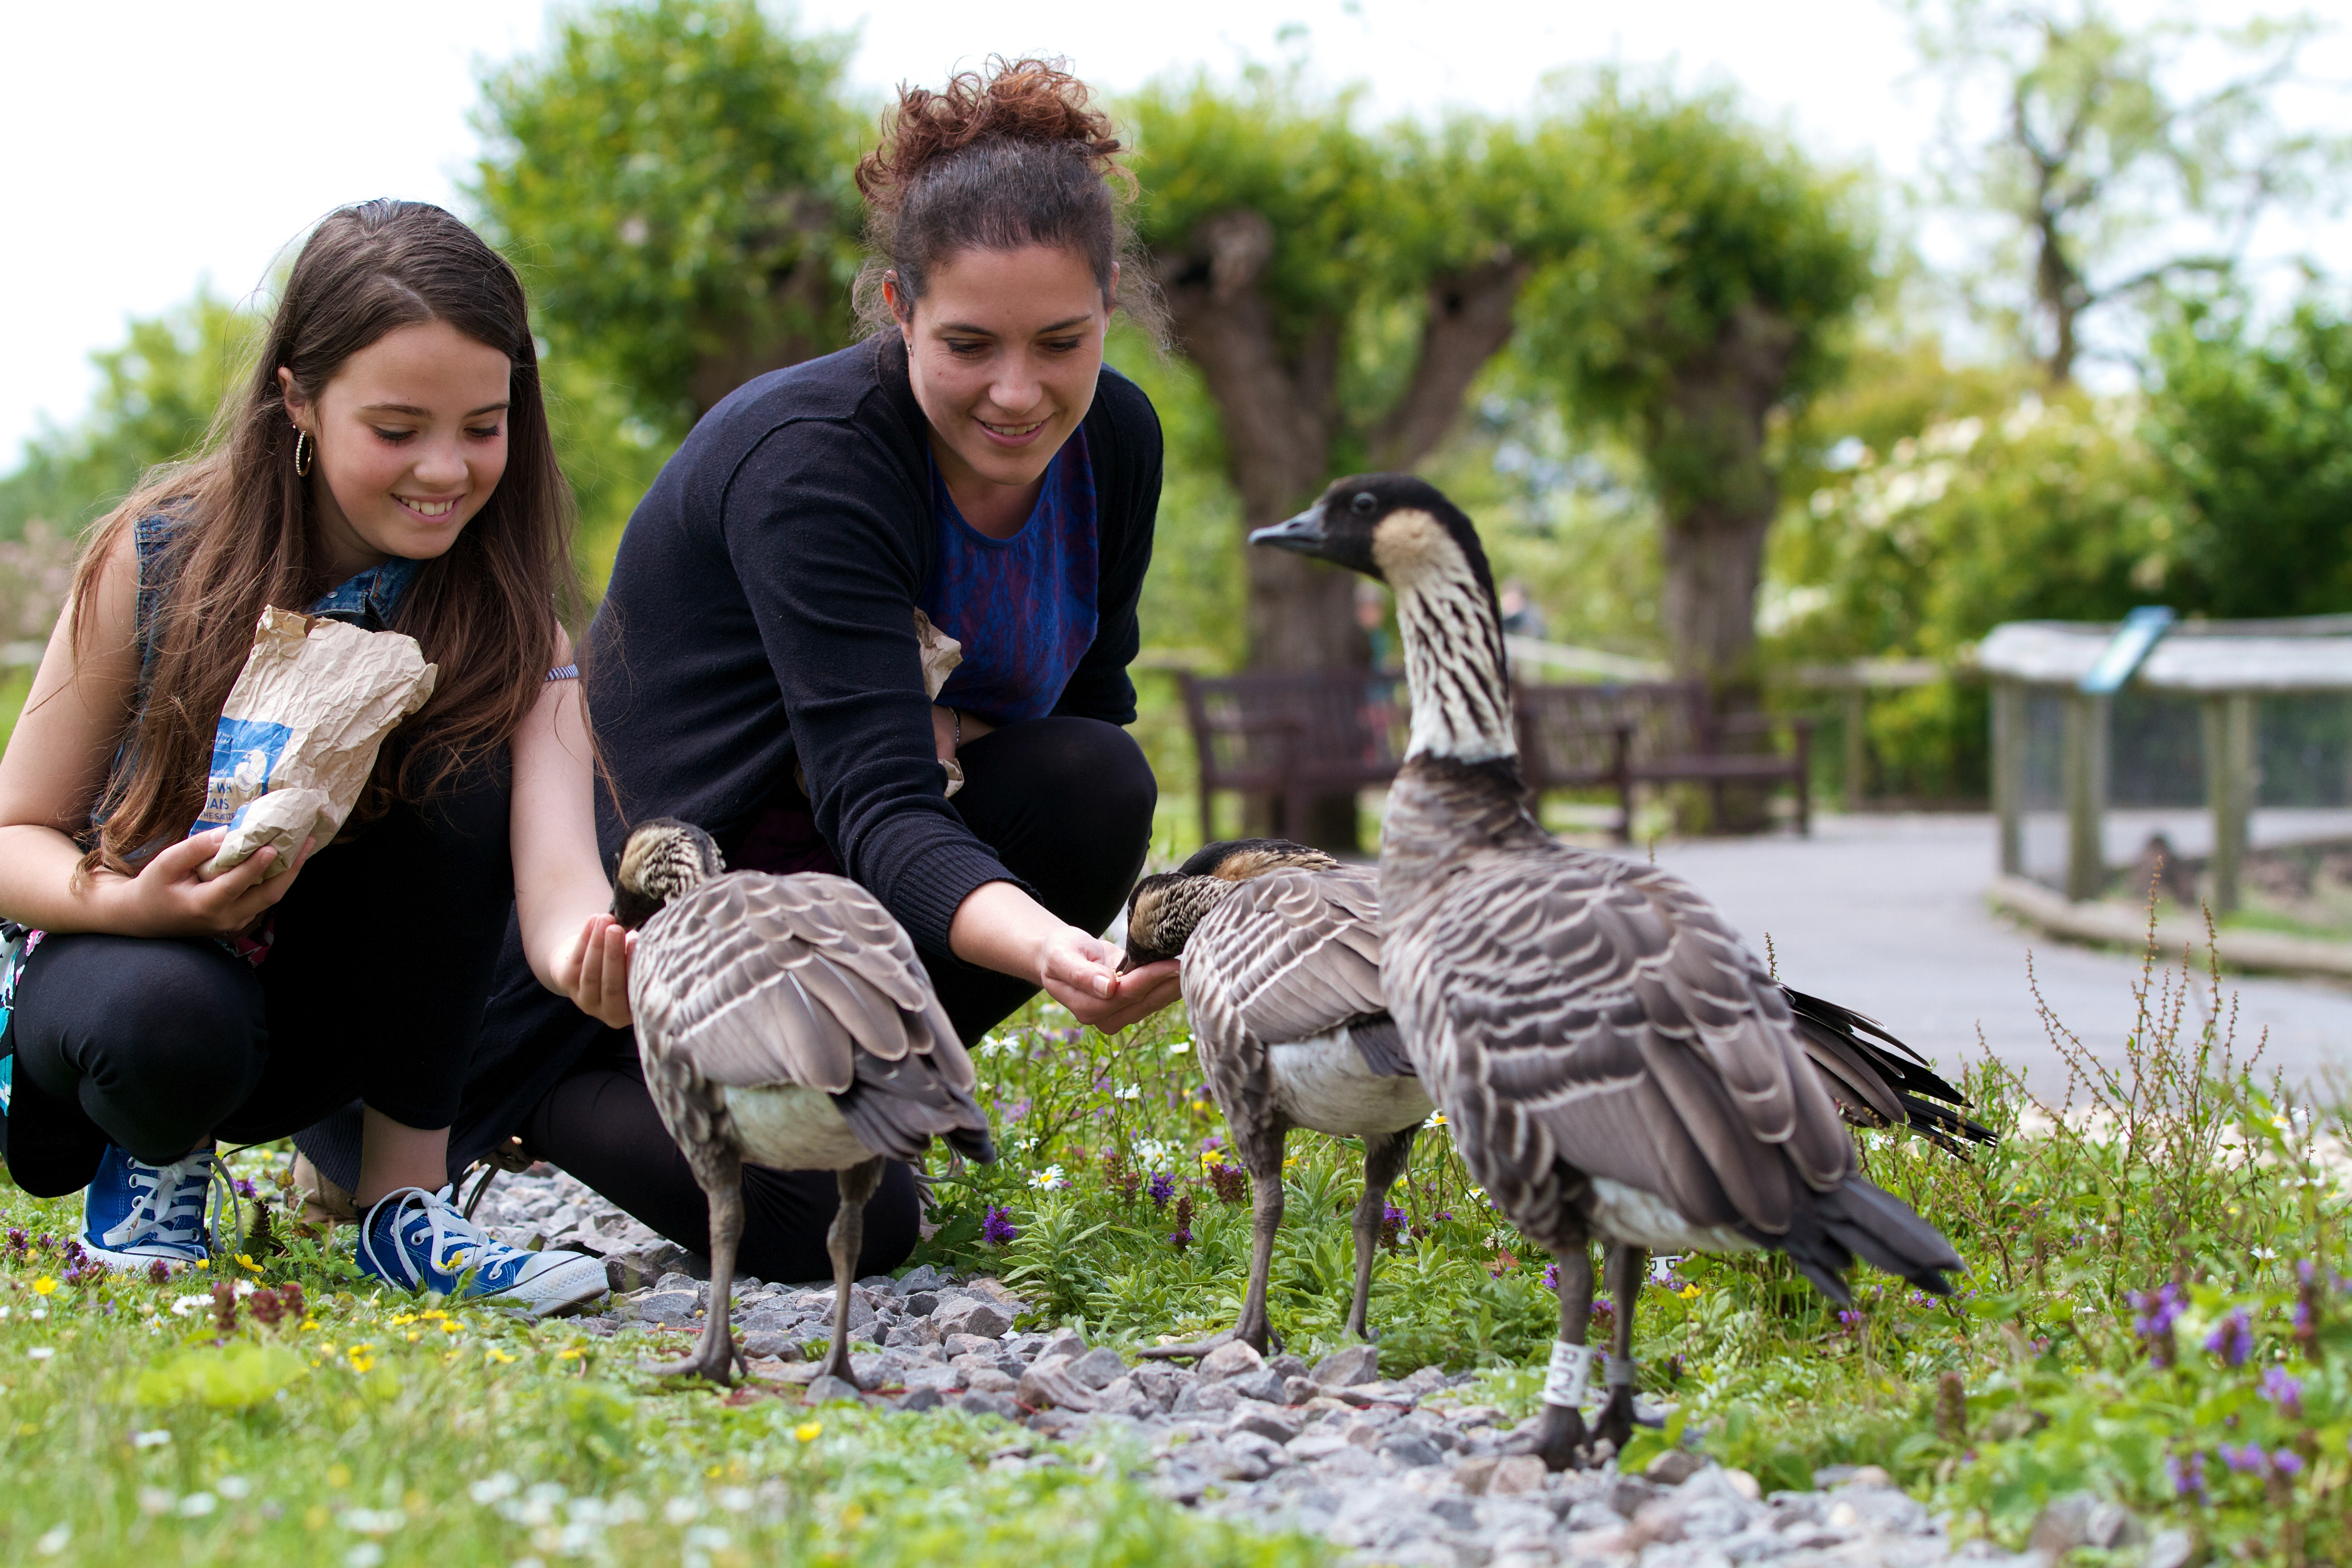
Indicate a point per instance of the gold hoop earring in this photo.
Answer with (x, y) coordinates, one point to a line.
(302, 459)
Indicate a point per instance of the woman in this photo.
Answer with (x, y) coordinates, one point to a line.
(755, 670)
(387, 463)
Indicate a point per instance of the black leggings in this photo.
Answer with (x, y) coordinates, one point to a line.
(372, 990)
(1065, 804)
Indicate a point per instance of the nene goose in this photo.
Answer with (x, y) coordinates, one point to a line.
(1282, 976)
(1614, 1064)
(784, 1021)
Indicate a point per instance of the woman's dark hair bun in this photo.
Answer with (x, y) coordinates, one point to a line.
(1030, 100)
(1008, 156)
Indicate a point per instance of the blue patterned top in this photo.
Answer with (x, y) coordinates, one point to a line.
(1023, 607)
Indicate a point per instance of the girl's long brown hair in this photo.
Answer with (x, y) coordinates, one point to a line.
(486, 612)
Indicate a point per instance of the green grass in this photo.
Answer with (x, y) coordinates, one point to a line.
(2182, 1170)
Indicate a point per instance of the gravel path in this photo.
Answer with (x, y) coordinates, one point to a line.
(1886, 915)
(1413, 1471)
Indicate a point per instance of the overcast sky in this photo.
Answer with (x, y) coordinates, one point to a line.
(152, 145)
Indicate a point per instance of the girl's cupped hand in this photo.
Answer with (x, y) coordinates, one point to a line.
(1081, 972)
(594, 971)
(167, 899)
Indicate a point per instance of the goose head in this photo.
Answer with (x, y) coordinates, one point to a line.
(1164, 909)
(1403, 532)
(663, 859)
(1393, 527)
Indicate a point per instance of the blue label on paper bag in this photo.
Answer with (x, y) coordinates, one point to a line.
(245, 753)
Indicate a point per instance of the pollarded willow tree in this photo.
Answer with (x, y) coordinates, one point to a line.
(1733, 270)
(674, 180)
(1339, 291)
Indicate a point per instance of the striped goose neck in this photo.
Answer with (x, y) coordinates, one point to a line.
(1453, 644)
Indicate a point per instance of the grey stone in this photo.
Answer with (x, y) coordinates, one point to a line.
(1125, 1396)
(1097, 1368)
(961, 1344)
(1265, 1384)
(1346, 1368)
(1299, 1390)
(1064, 1342)
(878, 1282)
(971, 1315)
(979, 1402)
(1271, 1424)
(763, 1345)
(1412, 1451)
(2170, 1549)
(1231, 1359)
(1290, 1365)
(1674, 1467)
(922, 1303)
(1830, 1476)
(922, 1277)
(921, 1399)
(1215, 1398)
(988, 1379)
(1626, 1494)
(1593, 1514)
(675, 1308)
(828, 1388)
(1351, 1460)
(1458, 1512)
(940, 1379)
(1048, 1383)
(1884, 1507)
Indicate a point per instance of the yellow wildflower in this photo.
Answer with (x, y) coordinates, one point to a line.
(807, 1431)
(567, 1355)
(492, 1354)
(248, 1262)
(1688, 1292)
(44, 1286)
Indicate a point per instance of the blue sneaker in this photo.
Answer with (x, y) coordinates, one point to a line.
(135, 1215)
(418, 1241)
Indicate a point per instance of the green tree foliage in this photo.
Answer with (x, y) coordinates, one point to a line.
(1719, 301)
(2254, 434)
(2103, 166)
(156, 394)
(1339, 291)
(674, 180)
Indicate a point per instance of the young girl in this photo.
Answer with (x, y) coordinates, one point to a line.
(387, 464)
(755, 667)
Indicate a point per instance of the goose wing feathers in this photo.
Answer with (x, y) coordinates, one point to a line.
(1286, 956)
(758, 980)
(1602, 1015)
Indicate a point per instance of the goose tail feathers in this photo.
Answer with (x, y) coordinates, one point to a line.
(1857, 1219)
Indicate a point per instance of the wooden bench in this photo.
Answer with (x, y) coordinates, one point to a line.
(1654, 733)
(1293, 737)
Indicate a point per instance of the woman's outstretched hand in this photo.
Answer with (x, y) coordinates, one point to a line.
(167, 899)
(594, 971)
(1081, 972)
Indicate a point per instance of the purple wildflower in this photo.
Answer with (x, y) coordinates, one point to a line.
(1163, 1187)
(160, 1272)
(1552, 1277)
(1181, 1237)
(2154, 1312)
(2287, 1462)
(245, 1188)
(2246, 1461)
(998, 1226)
(2234, 1338)
(17, 1241)
(2284, 1391)
(2187, 1477)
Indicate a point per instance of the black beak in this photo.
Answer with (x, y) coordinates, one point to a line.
(1303, 533)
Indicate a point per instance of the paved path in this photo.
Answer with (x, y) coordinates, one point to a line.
(1886, 915)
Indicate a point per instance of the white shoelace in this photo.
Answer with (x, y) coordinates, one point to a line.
(448, 1226)
(162, 1195)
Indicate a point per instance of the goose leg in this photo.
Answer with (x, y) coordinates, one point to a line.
(1265, 1218)
(1622, 1274)
(844, 1241)
(715, 1354)
(1263, 1156)
(1559, 1438)
(1385, 1154)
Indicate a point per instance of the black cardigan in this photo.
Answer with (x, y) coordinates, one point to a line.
(761, 608)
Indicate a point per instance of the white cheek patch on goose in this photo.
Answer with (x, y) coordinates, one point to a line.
(1450, 646)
